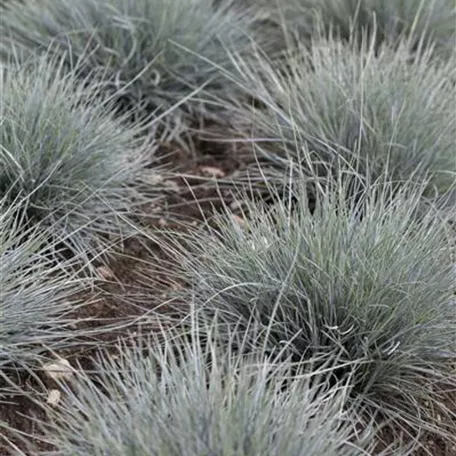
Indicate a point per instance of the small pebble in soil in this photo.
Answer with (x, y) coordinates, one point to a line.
(172, 185)
(105, 273)
(59, 370)
(212, 171)
(54, 397)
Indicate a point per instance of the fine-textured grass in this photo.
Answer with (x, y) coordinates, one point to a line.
(387, 111)
(367, 282)
(64, 155)
(35, 295)
(189, 398)
(152, 53)
(322, 322)
(419, 22)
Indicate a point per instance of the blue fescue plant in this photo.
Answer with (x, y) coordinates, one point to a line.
(37, 295)
(153, 54)
(389, 111)
(419, 22)
(364, 281)
(189, 396)
(65, 156)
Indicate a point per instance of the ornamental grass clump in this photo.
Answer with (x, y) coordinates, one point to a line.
(64, 157)
(419, 22)
(36, 296)
(386, 111)
(192, 397)
(366, 282)
(152, 54)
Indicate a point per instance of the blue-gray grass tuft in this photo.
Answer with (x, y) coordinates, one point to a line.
(420, 22)
(37, 295)
(192, 397)
(64, 156)
(367, 283)
(152, 54)
(386, 111)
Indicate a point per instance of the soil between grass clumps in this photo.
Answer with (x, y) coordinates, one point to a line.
(141, 282)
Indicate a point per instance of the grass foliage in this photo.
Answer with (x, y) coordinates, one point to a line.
(417, 21)
(35, 295)
(189, 398)
(366, 283)
(64, 156)
(151, 53)
(386, 111)
(321, 319)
